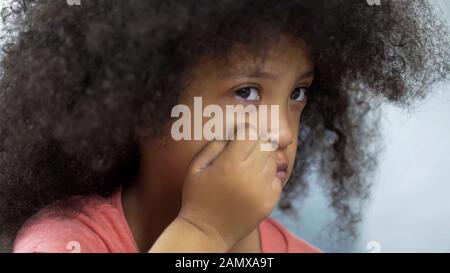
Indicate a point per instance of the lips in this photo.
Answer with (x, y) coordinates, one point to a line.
(282, 171)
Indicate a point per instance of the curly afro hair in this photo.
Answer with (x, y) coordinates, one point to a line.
(77, 81)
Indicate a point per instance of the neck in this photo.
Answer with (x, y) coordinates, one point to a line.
(149, 211)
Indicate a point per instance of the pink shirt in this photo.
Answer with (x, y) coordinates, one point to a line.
(100, 226)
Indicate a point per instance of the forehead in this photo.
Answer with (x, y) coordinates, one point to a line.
(280, 57)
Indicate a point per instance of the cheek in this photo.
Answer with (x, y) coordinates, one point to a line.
(168, 159)
(291, 153)
(291, 150)
(181, 153)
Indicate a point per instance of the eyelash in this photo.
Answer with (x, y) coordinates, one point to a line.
(305, 92)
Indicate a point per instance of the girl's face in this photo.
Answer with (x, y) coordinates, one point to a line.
(281, 79)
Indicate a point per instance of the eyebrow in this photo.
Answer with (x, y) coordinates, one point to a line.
(256, 72)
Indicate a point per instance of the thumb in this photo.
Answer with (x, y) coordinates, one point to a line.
(206, 155)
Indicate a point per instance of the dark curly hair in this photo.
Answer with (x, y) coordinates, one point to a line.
(77, 81)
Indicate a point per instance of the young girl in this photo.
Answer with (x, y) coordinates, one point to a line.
(88, 161)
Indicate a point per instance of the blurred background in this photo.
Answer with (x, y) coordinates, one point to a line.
(409, 210)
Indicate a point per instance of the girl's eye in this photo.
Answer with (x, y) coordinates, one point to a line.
(248, 93)
(299, 94)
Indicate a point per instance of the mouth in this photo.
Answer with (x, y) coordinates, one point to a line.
(282, 171)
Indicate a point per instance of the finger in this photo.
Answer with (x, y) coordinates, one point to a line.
(207, 155)
(270, 167)
(258, 159)
(268, 144)
(258, 155)
(245, 138)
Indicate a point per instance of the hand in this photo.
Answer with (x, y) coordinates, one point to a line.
(230, 188)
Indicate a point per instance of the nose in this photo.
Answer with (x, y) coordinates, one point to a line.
(285, 134)
(280, 126)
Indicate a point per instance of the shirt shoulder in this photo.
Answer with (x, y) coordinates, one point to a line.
(97, 226)
(276, 238)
